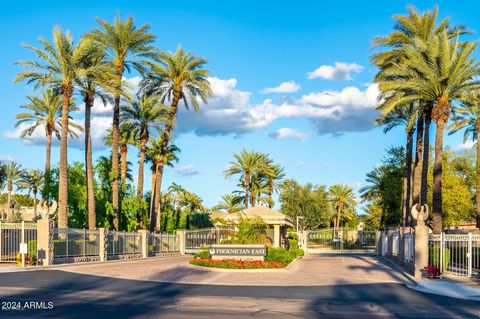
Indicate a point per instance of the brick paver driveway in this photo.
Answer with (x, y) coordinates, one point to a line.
(308, 271)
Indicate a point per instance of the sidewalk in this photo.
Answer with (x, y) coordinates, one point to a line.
(447, 288)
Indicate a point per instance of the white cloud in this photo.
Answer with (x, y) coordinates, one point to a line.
(286, 132)
(467, 145)
(99, 127)
(340, 71)
(284, 87)
(187, 170)
(229, 110)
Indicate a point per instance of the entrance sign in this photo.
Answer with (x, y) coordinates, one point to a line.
(239, 252)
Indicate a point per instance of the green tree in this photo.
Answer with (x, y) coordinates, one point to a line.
(179, 76)
(126, 46)
(467, 117)
(344, 202)
(33, 181)
(46, 110)
(58, 65)
(141, 116)
(14, 175)
(229, 203)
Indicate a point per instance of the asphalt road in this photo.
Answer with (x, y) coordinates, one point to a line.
(86, 296)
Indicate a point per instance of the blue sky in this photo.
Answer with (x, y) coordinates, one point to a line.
(291, 79)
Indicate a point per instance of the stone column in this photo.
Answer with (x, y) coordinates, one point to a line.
(276, 235)
(45, 229)
(102, 242)
(421, 240)
(181, 234)
(144, 234)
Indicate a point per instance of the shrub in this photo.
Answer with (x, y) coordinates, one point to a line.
(292, 235)
(434, 257)
(299, 252)
(292, 244)
(279, 255)
(202, 254)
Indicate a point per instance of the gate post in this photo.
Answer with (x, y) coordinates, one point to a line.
(469, 255)
(102, 244)
(181, 235)
(45, 241)
(144, 246)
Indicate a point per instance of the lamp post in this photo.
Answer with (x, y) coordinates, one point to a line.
(298, 217)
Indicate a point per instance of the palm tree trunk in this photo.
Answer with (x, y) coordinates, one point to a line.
(477, 191)
(123, 168)
(247, 184)
(152, 192)
(115, 135)
(407, 178)
(141, 168)
(35, 202)
(417, 170)
(437, 179)
(92, 218)
(426, 154)
(9, 197)
(155, 224)
(63, 180)
(339, 212)
(165, 139)
(48, 153)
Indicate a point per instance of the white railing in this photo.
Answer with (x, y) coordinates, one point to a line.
(455, 254)
(71, 242)
(409, 249)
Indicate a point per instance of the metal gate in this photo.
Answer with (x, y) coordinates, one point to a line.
(341, 240)
(460, 254)
(12, 234)
(197, 239)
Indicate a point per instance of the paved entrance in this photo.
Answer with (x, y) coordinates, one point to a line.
(310, 270)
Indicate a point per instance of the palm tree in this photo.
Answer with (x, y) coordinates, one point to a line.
(126, 46)
(229, 204)
(344, 201)
(179, 76)
(58, 65)
(467, 116)
(415, 30)
(125, 138)
(33, 181)
(175, 190)
(275, 174)
(154, 155)
(91, 86)
(142, 115)
(246, 165)
(404, 116)
(446, 59)
(14, 175)
(45, 110)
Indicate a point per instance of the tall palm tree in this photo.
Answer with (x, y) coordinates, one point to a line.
(344, 201)
(175, 190)
(33, 181)
(404, 116)
(179, 76)
(467, 116)
(91, 86)
(415, 30)
(126, 46)
(45, 110)
(58, 65)
(14, 175)
(246, 165)
(142, 115)
(154, 155)
(444, 58)
(229, 203)
(126, 137)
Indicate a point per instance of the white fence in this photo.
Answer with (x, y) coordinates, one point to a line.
(455, 254)
(11, 235)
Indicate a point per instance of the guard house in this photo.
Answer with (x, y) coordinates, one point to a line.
(278, 221)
